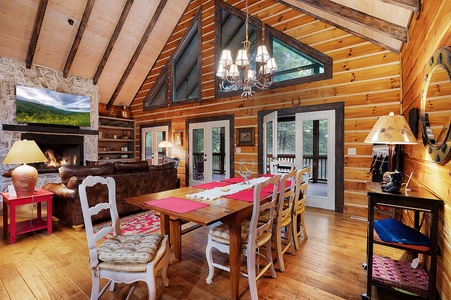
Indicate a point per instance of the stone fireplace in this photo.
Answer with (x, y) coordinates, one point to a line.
(79, 142)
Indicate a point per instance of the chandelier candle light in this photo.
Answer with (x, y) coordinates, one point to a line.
(239, 75)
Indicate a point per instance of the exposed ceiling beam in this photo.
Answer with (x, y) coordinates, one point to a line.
(112, 41)
(78, 37)
(36, 31)
(138, 50)
(413, 5)
(327, 21)
(357, 17)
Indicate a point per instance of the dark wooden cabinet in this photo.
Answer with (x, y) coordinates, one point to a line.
(419, 201)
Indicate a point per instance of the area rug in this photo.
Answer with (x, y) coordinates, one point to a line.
(143, 222)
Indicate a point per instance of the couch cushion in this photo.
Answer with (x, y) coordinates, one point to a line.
(165, 166)
(130, 167)
(66, 172)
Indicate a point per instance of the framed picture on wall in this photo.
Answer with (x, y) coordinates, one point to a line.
(245, 136)
(178, 138)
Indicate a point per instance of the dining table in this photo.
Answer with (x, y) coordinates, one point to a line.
(179, 206)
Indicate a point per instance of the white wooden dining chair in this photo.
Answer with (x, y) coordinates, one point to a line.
(120, 258)
(299, 206)
(254, 235)
(281, 166)
(282, 231)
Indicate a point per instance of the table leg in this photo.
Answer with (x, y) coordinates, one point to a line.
(176, 237)
(5, 219)
(49, 216)
(235, 257)
(12, 223)
(38, 210)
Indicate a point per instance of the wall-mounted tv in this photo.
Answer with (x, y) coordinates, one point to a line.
(44, 106)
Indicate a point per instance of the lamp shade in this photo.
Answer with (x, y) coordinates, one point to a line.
(24, 177)
(392, 129)
(24, 152)
(165, 144)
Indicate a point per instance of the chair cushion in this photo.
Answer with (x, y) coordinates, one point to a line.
(221, 232)
(130, 248)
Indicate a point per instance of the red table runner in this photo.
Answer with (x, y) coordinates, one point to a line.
(247, 195)
(178, 205)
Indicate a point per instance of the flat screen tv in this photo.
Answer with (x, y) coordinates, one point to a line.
(44, 106)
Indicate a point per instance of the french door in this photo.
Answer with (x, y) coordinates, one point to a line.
(315, 146)
(209, 145)
(150, 138)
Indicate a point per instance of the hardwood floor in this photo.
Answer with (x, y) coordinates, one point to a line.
(328, 266)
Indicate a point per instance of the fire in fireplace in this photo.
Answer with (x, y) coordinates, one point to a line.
(59, 150)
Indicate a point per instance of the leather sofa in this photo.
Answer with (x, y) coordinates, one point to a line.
(132, 179)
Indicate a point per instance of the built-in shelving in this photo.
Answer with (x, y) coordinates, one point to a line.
(116, 139)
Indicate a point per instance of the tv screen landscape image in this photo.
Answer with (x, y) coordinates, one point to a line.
(44, 106)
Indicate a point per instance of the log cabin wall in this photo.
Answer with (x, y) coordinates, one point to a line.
(366, 77)
(429, 32)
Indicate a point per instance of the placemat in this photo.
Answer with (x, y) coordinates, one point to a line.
(178, 205)
(233, 180)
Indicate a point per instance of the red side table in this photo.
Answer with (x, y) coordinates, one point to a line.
(37, 223)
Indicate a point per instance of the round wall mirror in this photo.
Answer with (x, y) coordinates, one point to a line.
(435, 111)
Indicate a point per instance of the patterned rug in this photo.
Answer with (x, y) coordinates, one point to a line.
(143, 222)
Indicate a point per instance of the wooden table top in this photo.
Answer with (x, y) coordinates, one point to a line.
(218, 209)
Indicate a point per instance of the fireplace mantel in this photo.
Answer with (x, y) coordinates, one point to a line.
(49, 129)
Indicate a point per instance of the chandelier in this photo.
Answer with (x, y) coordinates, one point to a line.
(238, 74)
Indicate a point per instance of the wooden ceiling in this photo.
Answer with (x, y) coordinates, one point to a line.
(116, 42)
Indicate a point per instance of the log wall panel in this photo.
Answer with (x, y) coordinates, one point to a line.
(366, 78)
(427, 33)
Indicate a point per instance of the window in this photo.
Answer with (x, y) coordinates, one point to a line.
(186, 78)
(297, 62)
(231, 32)
(158, 93)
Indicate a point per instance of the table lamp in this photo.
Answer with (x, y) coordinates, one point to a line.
(391, 130)
(24, 177)
(164, 145)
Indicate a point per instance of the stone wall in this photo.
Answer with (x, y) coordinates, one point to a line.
(14, 72)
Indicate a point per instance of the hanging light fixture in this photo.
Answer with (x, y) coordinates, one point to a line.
(239, 75)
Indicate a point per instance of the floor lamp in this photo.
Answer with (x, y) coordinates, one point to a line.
(165, 145)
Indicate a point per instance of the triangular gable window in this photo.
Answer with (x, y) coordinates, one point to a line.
(296, 62)
(186, 77)
(158, 93)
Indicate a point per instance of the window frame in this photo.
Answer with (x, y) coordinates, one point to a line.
(180, 51)
(160, 82)
(219, 6)
(327, 61)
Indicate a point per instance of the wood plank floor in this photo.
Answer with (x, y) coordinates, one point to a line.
(328, 266)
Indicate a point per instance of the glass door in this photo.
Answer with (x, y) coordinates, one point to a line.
(151, 137)
(270, 139)
(208, 154)
(315, 140)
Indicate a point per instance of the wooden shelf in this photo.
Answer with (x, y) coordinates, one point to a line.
(111, 131)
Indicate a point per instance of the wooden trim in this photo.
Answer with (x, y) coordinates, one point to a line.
(138, 50)
(36, 31)
(112, 41)
(51, 129)
(78, 37)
